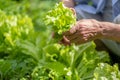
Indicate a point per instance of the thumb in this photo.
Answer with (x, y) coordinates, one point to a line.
(73, 10)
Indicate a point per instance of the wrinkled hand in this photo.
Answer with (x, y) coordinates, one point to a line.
(83, 31)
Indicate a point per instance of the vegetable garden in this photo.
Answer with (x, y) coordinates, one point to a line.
(28, 51)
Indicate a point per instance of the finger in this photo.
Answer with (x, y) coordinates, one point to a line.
(67, 33)
(79, 40)
(75, 35)
(73, 30)
(65, 41)
(75, 40)
(73, 10)
(70, 32)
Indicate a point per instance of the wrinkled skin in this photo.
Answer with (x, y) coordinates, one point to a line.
(89, 29)
(83, 31)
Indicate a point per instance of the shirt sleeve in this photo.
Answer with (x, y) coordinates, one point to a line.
(91, 6)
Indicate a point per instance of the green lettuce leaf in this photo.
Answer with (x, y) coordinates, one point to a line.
(105, 71)
(60, 18)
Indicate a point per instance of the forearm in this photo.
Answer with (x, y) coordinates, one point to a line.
(68, 3)
(110, 31)
(90, 29)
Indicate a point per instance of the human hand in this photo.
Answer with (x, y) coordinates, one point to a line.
(83, 31)
(73, 10)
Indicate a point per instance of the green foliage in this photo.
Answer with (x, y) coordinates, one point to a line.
(37, 12)
(28, 54)
(20, 46)
(80, 61)
(16, 66)
(106, 72)
(13, 28)
(60, 18)
(14, 6)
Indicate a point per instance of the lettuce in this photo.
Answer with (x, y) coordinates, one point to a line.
(60, 18)
(105, 71)
(13, 28)
(81, 61)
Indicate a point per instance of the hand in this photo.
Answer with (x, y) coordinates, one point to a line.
(83, 31)
(73, 10)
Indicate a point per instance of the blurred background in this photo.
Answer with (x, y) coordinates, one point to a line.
(28, 51)
(14, 64)
(35, 9)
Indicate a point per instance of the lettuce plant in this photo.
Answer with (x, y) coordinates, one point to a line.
(60, 18)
